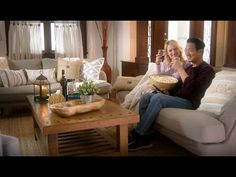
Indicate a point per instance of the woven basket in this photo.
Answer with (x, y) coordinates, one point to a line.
(163, 82)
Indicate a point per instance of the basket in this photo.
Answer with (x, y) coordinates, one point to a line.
(163, 82)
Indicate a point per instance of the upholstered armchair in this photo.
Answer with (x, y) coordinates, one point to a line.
(9, 146)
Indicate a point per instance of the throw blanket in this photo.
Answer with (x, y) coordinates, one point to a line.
(132, 99)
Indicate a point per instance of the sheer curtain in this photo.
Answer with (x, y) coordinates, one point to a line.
(68, 40)
(25, 40)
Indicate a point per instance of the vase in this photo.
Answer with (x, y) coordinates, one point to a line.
(85, 99)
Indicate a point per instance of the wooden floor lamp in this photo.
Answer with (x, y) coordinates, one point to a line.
(106, 68)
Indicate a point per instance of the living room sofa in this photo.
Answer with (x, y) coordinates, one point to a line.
(210, 129)
(15, 96)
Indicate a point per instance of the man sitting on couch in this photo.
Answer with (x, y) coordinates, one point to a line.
(195, 78)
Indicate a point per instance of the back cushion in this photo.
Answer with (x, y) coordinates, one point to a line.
(49, 63)
(71, 66)
(25, 64)
(221, 90)
(11, 78)
(33, 74)
(91, 69)
(3, 63)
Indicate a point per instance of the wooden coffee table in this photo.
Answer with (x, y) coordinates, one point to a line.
(54, 129)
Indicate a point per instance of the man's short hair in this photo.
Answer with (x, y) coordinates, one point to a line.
(199, 44)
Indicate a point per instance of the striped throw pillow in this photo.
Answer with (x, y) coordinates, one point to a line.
(221, 90)
(12, 78)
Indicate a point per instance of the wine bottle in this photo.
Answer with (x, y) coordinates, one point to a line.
(63, 83)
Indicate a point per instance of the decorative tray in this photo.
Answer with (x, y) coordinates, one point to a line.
(70, 108)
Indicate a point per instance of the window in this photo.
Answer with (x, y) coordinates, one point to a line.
(180, 31)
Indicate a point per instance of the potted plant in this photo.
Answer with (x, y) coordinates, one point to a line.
(87, 90)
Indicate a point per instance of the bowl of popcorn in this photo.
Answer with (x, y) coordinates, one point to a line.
(163, 82)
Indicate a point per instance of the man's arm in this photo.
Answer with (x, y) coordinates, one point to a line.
(178, 65)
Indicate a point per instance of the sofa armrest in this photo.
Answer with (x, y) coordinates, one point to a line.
(228, 116)
(102, 76)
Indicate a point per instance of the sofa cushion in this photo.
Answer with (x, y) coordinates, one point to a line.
(25, 64)
(91, 69)
(33, 74)
(49, 63)
(125, 83)
(1, 71)
(23, 90)
(4, 63)
(195, 125)
(12, 78)
(221, 90)
(71, 66)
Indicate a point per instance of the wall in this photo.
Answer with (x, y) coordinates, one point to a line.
(3, 48)
(125, 38)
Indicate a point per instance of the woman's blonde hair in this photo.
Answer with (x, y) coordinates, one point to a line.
(175, 43)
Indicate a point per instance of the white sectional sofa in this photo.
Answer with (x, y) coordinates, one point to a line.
(15, 96)
(210, 130)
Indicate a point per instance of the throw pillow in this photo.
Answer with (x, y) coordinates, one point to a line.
(3, 63)
(1, 71)
(71, 66)
(33, 74)
(91, 69)
(221, 90)
(125, 83)
(11, 78)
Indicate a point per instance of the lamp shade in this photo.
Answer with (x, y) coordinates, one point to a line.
(42, 88)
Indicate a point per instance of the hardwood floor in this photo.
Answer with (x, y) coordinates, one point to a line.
(21, 126)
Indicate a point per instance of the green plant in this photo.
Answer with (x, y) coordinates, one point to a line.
(87, 88)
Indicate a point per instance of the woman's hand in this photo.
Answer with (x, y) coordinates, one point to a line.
(159, 59)
(176, 63)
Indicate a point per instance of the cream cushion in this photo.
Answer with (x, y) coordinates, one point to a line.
(125, 83)
(91, 69)
(71, 66)
(221, 90)
(194, 125)
(3, 63)
(48, 73)
(11, 78)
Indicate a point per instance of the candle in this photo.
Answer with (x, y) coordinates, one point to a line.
(44, 91)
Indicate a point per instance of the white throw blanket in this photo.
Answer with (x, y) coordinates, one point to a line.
(132, 99)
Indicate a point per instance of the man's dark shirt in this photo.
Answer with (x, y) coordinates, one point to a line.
(196, 83)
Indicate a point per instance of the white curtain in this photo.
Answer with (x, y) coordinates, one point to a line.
(25, 40)
(68, 40)
(94, 42)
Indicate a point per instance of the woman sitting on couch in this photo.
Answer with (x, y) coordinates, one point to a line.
(172, 50)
